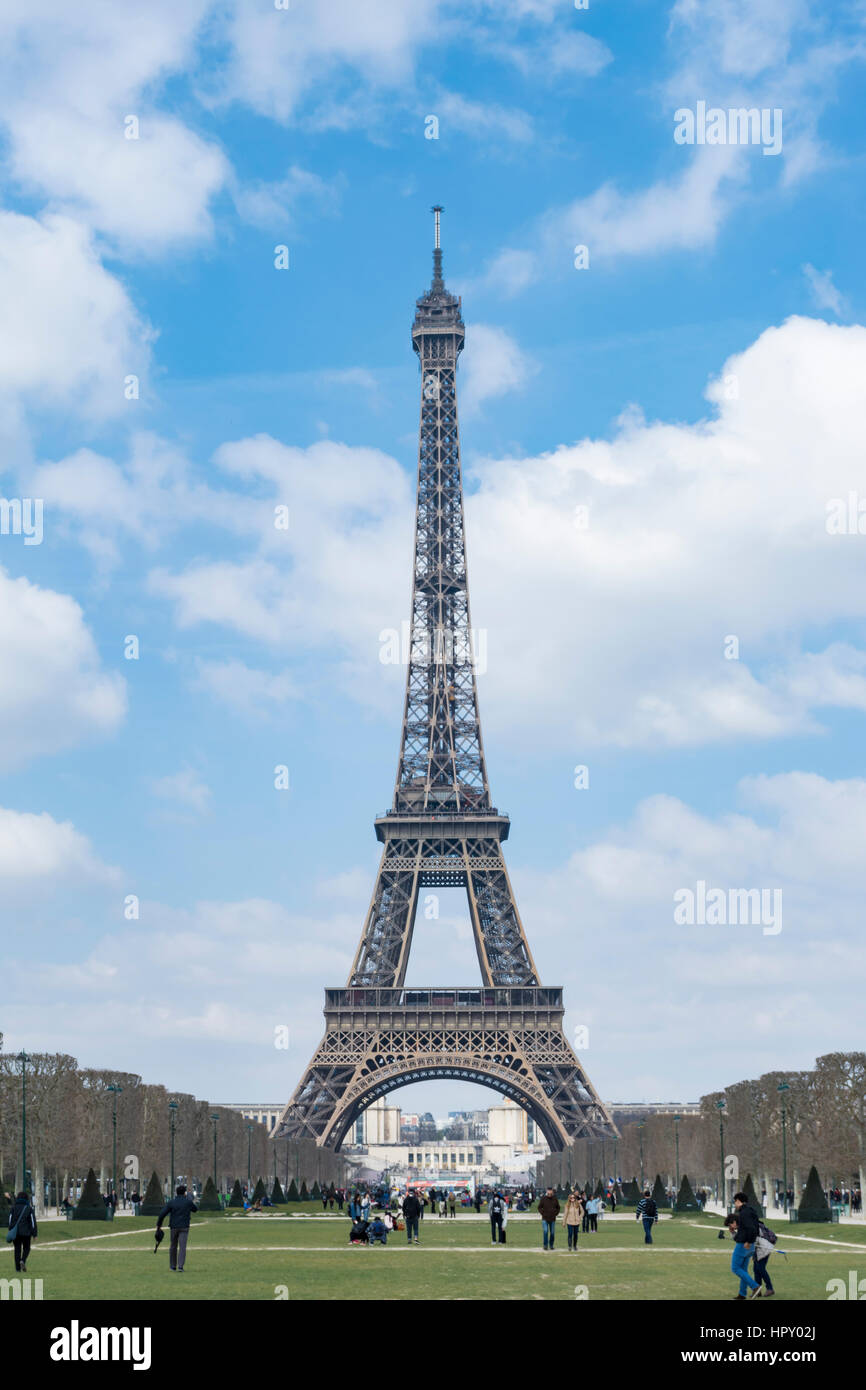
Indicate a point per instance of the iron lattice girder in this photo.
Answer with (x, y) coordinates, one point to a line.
(442, 831)
(422, 852)
(379, 1039)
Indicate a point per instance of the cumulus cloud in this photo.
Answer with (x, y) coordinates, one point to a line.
(493, 365)
(39, 848)
(69, 335)
(654, 543)
(71, 80)
(742, 998)
(54, 692)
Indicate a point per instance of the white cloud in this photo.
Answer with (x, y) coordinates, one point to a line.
(752, 53)
(148, 497)
(37, 847)
(280, 58)
(682, 213)
(185, 788)
(686, 525)
(493, 366)
(53, 692)
(70, 79)
(243, 688)
(486, 121)
(824, 293)
(69, 335)
(799, 834)
(274, 204)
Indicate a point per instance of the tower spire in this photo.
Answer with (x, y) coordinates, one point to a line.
(438, 282)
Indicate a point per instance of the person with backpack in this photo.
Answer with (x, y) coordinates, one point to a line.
(548, 1210)
(648, 1213)
(22, 1229)
(496, 1212)
(178, 1210)
(765, 1243)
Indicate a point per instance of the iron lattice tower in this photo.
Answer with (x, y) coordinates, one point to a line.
(442, 831)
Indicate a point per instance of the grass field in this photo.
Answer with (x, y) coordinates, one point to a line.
(309, 1257)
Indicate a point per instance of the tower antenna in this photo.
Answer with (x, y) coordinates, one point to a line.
(438, 282)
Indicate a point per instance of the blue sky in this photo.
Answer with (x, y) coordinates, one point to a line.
(698, 388)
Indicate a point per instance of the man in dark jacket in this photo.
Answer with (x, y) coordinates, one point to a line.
(178, 1210)
(745, 1235)
(548, 1210)
(648, 1213)
(411, 1215)
(22, 1218)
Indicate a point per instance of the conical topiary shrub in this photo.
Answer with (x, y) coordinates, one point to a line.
(293, 1195)
(660, 1197)
(259, 1191)
(154, 1201)
(209, 1199)
(599, 1189)
(237, 1197)
(630, 1196)
(315, 1192)
(751, 1194)
(304, 1194)
(686, 1199)
(277, 1194)
(813, 1204)
(90, 1206)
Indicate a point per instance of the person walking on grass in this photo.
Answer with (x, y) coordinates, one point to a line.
(496, 1212)
(765, 1244)
(585, 1219)
(178, 1209)
(22, 1229)
(573, 1217)
(647, 1212)
(745, 1235)
(452, 1204)
(411, 1215)
(592, 1213)
(548, 1210)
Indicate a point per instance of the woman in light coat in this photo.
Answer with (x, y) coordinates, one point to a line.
(573, 1217)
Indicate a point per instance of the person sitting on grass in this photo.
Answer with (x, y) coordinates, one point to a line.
(378, 1231)
(359, 1232)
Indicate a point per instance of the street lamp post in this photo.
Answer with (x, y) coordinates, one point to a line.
(23, 1059)
(677, 1134)
(782, 1088)
(215, 1121)
(115, 1090)
(249, 1156)
(640, 1130)
(720, 1106)
(172, 1123)
(591, 1170)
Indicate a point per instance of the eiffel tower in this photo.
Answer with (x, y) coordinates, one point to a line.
(442, 831)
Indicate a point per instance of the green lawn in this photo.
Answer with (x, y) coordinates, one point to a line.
(243, 1257)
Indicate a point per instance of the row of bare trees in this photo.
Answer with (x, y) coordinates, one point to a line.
(824, 1122)
(69, 1129)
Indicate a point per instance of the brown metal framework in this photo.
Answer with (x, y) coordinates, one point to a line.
(442, 831)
